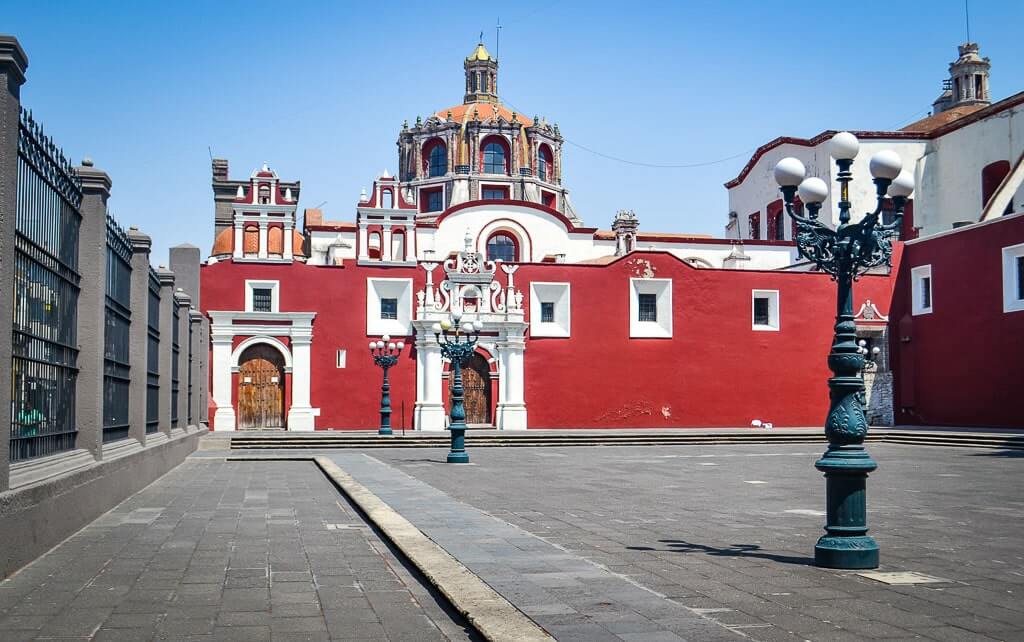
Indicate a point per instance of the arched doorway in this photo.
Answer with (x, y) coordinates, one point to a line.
(476, 384)
(261, 388)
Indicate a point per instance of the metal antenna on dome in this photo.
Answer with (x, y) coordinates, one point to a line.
(967, 18)
(497, 40)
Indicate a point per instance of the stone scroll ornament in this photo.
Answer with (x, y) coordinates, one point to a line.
(846, 252)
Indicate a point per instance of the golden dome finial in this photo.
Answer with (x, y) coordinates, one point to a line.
(480, 53)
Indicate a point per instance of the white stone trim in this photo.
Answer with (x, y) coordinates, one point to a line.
(1010, 285)
(773, 310)
(558, 294)
(380, 288)
(660, 329)
(917, 282)
(275, 293)
(223, 331)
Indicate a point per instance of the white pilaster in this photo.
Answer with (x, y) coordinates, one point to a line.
(511, 402)
(239, 241)
(288, 240)
(385, 243)
(364, 250)
(263, 240)
(300, 415)
(410, 240)
(224, 418)
(429, 413)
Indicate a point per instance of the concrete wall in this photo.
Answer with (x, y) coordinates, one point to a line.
(35, 518)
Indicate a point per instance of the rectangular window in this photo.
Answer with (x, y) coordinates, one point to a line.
(341, 358)
(1020, 278)
(493, 193)
(761, 311)
(648, 307)
(547, 312)
(433, 200)
(262, 299)
(389, 308)
(921, 290)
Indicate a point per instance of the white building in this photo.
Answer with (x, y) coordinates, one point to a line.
(966, 158)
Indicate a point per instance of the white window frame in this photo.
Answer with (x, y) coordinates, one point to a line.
(383, 288)
(559, 295)
(773, 310)
(341, 358)
(660, 329)
(1010, 286)
(917, 277)
(275, 293)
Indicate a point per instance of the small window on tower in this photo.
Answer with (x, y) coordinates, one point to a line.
(262, 300)
(389, 308)
(264, 194)
(547, 312)
(648, 307)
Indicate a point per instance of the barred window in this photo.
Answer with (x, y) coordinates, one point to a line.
(547, 312)
(648, 308)
(262, 299)
(389, 308)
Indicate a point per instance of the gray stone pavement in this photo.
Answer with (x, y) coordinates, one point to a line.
(572, 598)
(729, 531)
(221, 550)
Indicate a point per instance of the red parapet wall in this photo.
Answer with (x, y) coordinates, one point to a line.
(963, 363)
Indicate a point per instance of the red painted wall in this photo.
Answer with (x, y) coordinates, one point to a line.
(347, 397)
(714, 371)
(963, 364)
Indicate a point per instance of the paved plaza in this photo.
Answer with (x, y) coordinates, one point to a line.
(221, 550)
(635, 544)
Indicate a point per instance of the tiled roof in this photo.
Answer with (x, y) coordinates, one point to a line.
(942, 118)
(486, 111)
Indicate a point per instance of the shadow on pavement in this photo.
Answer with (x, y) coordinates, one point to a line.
(999, 453)
(734, 550)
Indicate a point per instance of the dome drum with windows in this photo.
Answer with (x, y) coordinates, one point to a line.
(485, 140)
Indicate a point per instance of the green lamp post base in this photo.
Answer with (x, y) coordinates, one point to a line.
(458, 458)
(846, 543)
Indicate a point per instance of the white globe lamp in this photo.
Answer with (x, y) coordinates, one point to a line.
(843, 146)
(789, 172)
(813, 190)
(902, 185)
(885, 164)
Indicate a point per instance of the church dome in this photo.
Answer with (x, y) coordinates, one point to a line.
(480, 53)
(483, 111)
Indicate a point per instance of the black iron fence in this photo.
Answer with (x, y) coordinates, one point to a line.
(116, 350)
(153, 355)
(43, 369)
(175, 352)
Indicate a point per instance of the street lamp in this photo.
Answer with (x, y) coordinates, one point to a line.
(870, 356)
(457, 346)
(385, 354)
(846, 252)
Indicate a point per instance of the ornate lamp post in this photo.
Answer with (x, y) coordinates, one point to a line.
(385, 354)
(457, 347)
(846, 252)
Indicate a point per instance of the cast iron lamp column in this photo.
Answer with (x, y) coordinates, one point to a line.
(457, 347)
(385, 354)
(846, 252)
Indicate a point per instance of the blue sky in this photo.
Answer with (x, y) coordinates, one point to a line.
(319, 90)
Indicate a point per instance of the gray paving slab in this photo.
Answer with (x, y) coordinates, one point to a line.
(530, 572)
(685, 521)
(220, 550)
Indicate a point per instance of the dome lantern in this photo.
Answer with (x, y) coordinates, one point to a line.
(481, 76)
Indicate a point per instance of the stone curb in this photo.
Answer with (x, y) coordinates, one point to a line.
(492, 615)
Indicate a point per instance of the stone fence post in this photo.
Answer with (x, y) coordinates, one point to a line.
(138, 335)
(13, 63)
(92, 322)
(196, 353)
(166, 278)
(184, 302)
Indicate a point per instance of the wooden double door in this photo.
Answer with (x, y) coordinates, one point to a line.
(476, 384)
(261, 389)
